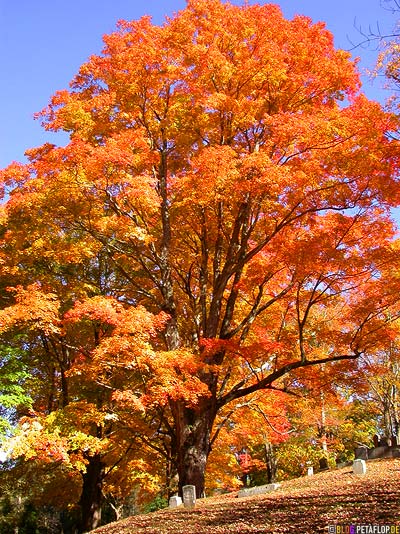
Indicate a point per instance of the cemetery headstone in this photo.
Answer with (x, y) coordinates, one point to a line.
(258, 490)
(310, 471)
(375, 439)
(359, 467)
(175, 501)
(189, 496)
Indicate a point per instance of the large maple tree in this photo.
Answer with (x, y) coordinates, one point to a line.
(225, 177)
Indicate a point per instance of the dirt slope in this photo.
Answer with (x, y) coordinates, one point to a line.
(306, 505)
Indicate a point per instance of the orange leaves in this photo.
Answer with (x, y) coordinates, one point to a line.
(175, 376)
(235, 40)
(246, 427)
(98, 309)
(214, 69)
(122, 344)
(126, 348)
(14, 174)
(128, 400)
(218, 173)
(259, 175)
(33, 308)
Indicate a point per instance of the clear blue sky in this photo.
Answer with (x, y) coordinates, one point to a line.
(44, 42)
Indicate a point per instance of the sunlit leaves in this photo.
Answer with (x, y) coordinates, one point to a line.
(34, 308)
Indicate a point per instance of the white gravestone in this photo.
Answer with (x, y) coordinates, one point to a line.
(175, 501)
(310, 471)
(257, 490)
(359, 467)
(189, 496)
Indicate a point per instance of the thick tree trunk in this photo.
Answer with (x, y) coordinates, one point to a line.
(193, 444)
(92, 496)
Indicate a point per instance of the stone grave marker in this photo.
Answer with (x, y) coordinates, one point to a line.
(258, 490)
(175, 501)
(359, 467)
(310, 471)
(189, 496)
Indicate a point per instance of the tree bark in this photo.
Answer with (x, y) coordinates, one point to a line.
(270, 461)
(92, 496)
(193, 427)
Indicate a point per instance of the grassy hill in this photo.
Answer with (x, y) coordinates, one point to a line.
(305, 505)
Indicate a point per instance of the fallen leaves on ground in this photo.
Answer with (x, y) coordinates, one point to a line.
(306, 504)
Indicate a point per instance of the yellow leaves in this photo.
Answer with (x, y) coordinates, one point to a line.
(75, 118)
(69, 114)
(388, 63)
(34, 441)
(223, 469)
(81, 416)
(3, 215)
(64, 437)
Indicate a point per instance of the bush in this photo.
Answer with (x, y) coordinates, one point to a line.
(158, 503)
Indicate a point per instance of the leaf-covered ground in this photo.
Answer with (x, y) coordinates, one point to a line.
(307, 505)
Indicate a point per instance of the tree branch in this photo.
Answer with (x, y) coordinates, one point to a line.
(266, 382)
